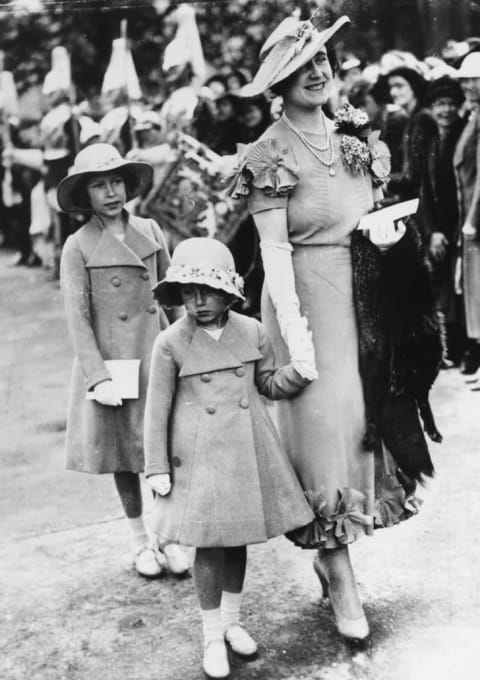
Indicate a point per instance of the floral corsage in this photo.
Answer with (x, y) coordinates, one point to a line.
(266, 165)
(361, 149)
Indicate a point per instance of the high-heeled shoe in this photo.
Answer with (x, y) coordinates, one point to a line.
(322, 575)
(354, 630)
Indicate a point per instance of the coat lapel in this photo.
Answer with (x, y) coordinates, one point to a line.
(111, 252)
(464, 141)
(142, 245)
(205, 354)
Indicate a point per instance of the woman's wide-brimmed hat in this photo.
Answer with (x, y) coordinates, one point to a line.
(470, 66)
(445, 87)
(291, 45)
(413, 77)
(97, 159)
(202, 261)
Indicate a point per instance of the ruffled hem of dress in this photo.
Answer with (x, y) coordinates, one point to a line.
(394, 505)
(349, 521)
(344, 525)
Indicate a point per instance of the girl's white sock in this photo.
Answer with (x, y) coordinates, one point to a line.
(138, 532)
(230, 608)
(212, 624)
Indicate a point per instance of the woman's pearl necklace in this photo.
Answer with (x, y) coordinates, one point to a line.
(314, 148)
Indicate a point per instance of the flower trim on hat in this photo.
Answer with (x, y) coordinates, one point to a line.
(302, 35)
(219, 278)
(361, 149)
(265, 165)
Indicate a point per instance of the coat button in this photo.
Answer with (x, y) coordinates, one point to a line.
(244, 403)
(123, 316)
(116, 281)
(145, 276)
(152, 309)
(205, 377)
(240, 371)
(176, 462)
(211, 409)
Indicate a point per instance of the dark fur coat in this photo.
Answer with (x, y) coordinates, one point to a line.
(400, 349)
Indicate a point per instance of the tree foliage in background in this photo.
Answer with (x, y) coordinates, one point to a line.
(232, 32)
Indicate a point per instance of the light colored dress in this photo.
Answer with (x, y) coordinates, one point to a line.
(322, 428)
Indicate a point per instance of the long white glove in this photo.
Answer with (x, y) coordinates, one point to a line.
(105, 393)
(162, 483)
(280, 279)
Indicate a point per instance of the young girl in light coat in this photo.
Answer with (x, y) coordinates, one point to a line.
(108, 269)
(212, 452)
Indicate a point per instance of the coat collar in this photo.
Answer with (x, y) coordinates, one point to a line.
(109, 251)
(465, 139)
(205, 354)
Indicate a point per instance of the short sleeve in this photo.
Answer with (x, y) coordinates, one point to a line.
(266, 172)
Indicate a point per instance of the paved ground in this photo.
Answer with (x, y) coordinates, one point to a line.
(71, 607)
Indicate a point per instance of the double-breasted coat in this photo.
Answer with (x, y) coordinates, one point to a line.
(111, 314)
(466, 161)
(206, 425)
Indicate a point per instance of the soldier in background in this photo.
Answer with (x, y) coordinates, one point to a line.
(59, 136)
(121, 95)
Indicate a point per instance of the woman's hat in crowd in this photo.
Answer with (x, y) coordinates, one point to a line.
(202, 261)
(291, 45)
(470, 66)
(98, 159)
(413, 77)
(445, 87)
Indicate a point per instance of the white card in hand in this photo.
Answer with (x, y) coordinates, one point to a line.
(125, 375)
(385, 227)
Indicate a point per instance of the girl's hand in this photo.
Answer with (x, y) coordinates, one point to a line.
(106, 394)
(160, 483)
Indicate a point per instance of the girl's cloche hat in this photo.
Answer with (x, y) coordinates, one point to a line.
(98, 159)
(202, 261)
(291, 45)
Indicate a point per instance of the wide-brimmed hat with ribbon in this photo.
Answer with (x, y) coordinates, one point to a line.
(98, 159)
(202, 261)
(470, 66)
(291, 45)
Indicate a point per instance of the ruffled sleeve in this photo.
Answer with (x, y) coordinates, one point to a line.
(266, 172)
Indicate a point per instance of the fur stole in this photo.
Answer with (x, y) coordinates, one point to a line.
(400, 350)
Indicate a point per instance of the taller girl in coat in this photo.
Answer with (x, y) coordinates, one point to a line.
(108, 268)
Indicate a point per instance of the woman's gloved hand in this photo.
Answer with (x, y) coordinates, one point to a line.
(105, 393)
(161, 484)
(280, 279)
(468, 230)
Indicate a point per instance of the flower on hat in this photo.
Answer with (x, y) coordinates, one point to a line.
(225, 279)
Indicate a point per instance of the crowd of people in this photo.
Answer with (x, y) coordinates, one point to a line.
(419, 107)
(300, 159)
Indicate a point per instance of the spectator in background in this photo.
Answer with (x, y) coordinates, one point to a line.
(389, 119)
(254, 117)
(438, 209)
(236, 80)
(25, 136)
(407, 88)
(466, 162)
